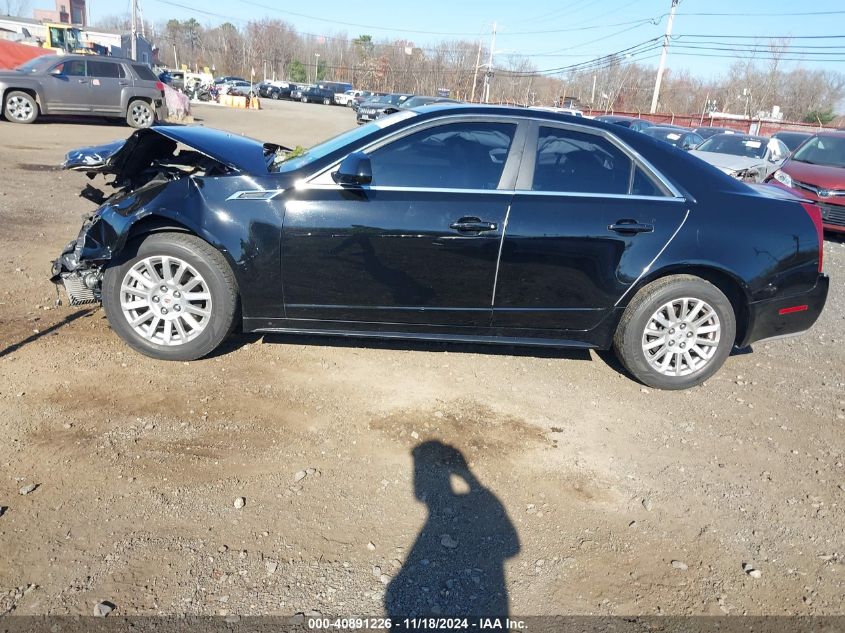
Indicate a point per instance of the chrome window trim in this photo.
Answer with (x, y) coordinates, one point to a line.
(516, 119)
(332, 186)
(421, 125)
(637, 158)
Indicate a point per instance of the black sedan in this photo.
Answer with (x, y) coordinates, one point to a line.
(633, 123)
(448, 223)
(791, 139)
(678, 137)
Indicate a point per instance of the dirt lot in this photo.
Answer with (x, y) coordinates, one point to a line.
(581, 491)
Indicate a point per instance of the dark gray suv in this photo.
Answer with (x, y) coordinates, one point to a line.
(82, 85)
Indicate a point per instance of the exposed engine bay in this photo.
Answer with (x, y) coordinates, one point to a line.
(136, 172)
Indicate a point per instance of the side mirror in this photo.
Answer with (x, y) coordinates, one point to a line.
(391, 109)
(56, 72)
(355, 169)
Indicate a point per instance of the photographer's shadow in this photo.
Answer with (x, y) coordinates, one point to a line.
(456, 566)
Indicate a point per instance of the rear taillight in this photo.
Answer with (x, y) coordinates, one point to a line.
(159, 86)
(815, 214)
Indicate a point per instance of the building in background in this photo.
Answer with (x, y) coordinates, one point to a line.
(66, 12)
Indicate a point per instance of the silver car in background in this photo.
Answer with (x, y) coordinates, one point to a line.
(743, 156)
(87, 85)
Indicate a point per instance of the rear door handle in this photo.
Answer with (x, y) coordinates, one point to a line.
(473, 225)
(123, 83)
(83, 81)
(630, 226)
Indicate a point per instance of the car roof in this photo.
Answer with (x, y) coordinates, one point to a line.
(745, 137)
(670, 128)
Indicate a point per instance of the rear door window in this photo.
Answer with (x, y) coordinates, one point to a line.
(144, 72)
(568, 161)
(105, 70)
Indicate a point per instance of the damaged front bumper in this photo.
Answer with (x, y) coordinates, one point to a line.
(79, 267)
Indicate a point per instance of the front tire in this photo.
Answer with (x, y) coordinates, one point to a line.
(140, 114)
(20, 107)
(676, 332)
(172, 296)
(327, 101)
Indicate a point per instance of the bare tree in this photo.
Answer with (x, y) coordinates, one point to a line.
(16, 8)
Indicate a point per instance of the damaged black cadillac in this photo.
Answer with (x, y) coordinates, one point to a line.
(448, 223)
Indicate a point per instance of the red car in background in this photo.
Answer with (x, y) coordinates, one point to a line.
(816, 170)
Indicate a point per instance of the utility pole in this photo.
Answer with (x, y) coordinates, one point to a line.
(663, 54)
(134, 45)
(475, 75)
(593, 93)
(489, 74)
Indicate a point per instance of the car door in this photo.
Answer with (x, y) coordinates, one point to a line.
(67, 88)
(587, 219)
(107, 80)
(416, 246)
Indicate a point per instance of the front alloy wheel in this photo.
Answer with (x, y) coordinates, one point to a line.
(165, 300)
(20, 107)
(171, 296)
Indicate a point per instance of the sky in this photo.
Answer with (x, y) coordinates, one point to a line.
(554, 34)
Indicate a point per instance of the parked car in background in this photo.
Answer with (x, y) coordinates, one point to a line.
(227, 79)
(265, 88)
(297, 90)
(347, 97)
(707, 132)
(556, 110)
(792, 139)
(745, 157)
(239, 87)
(416, 101)
(366, 95)
(638, 125)
(679, 137)
(85, 85)
(318, 94)
(455, 223)
(371, 110)
(816, 170)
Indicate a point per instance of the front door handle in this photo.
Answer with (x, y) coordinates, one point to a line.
(473, 225)
(83, 81)
(630, 226)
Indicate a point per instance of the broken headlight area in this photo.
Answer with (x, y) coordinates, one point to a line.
(80, 276)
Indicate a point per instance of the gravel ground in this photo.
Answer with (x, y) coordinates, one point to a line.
(380, 477)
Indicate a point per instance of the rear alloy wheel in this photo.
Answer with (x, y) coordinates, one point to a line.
(173, 298)
(140, 114)
(327, 101)
(304, 99)
(20, 107)
(676, 332)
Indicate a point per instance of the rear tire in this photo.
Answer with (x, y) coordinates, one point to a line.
(140, 114)
(171, 296)
(676, 332)
(20, 107)
(304, 99)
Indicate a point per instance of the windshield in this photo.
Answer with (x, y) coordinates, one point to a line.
(36, 64)
(750, 147)
(293, 160)
(822, 150)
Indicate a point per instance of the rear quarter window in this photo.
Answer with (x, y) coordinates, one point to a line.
(144, 72)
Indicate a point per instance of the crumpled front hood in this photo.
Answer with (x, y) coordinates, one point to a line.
(241, 153)
(728, 161)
